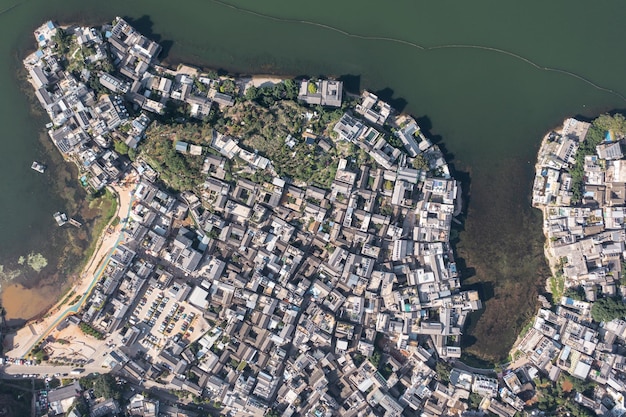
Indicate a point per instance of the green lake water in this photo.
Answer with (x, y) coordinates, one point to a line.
(487, 78)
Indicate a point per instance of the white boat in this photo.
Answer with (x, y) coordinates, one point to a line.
(38, 167)
(61, 218)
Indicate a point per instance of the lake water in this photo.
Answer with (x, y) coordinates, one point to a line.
(488, 78)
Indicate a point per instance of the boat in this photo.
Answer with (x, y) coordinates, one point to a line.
(38, 167)
(61, 218)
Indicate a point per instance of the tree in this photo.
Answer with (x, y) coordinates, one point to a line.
(103, 385)
(252, 93)
(375, 358)
(291, 90)
(420, 162)
(615, 123)
(63, 40)
(120, 147)
(575, 293)
(474, 401)
(607, 309)
(212, 74)
(443, 371)
(228, 87)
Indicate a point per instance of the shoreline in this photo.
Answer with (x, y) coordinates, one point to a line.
(74, 277)
(45, 317)
(547, 256)
(552, 263)
(36, 329)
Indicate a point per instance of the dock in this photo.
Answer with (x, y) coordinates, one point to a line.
(74, 222)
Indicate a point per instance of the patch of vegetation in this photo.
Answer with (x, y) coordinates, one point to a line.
(267, 96)
(106, 203)
(558, 399)
(179, 172)
(443, 371)
(89, 330)
(120, 147)
(375, 358)
(39, 354)
(474, 401)
(385, 371)
(575, 293)
(63, 40)
(358, 359)
(36, 261)
(557, 287)
(595, 136)
(420, 162)
(265, 129)
(228, 86)
(607, 309)
(103, 385)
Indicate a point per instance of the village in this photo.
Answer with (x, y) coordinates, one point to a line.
(280, 297)
(580, 188)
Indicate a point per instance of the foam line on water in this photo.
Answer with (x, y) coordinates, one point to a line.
(428, 48)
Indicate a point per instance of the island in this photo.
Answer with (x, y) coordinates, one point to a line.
(282, 247)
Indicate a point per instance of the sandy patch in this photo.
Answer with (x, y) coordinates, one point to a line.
(263, 81)
(27, 303)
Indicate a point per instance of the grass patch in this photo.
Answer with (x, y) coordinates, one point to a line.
(557, 288)
(527, 327)
(68, 296)
(89, 330)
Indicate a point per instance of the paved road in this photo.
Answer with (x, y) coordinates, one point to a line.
(11, 370)
(483, 371)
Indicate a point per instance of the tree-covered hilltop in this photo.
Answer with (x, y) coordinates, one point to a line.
(268, 121)
(180, 172)
(266, 130)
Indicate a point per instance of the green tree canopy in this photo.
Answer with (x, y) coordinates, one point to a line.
(420, 162)
(607, 309)
(252, 93)
(615, 123)
(120, 147)
(105, 386)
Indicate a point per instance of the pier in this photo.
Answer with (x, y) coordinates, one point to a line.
(74, 222)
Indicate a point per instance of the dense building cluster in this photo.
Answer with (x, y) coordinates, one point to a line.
(586, 250)
(280, 295)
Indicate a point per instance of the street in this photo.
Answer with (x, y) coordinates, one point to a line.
(12, 371)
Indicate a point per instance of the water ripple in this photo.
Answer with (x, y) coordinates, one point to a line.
(8, 9)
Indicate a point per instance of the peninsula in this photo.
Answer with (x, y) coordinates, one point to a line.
(283, 248)
(580, 186)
